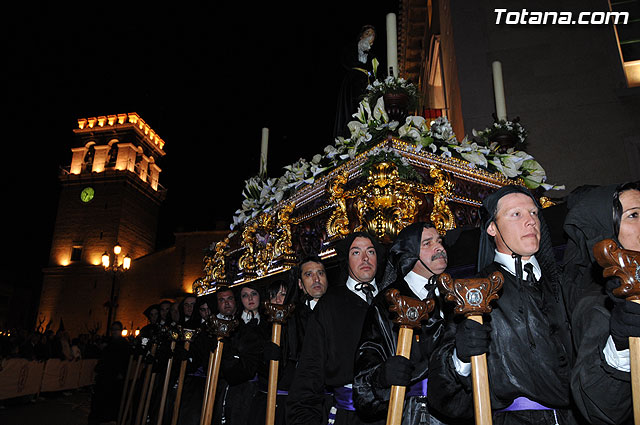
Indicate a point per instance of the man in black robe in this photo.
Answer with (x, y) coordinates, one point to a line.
(416, 258)
(601, 322)
(526, 337)
(332, 335)
(310, 283)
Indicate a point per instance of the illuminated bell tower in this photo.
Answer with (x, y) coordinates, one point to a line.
(110, 194)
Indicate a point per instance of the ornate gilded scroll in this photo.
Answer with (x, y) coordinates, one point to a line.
(267, 240)
(386, 204)
(472, 298)
(338, 224)
(441, 215)
(410, 312)
(214, 267)
(625, 265)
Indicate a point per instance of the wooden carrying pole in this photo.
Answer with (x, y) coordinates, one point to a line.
(410, 313)
(624, 264)
(145, 385)
(123, 398)
(187, 335)
(221, 329)
(472, 298)
(277, 314)
(167, 377)
(127, 407)
(480, 383)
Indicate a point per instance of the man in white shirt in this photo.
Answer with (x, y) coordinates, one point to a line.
(527, 335)
(416, 258)
(332, 335)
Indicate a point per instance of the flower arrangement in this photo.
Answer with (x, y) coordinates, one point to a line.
(386, 154)
(370, 126)
(501, 128)
(393, 85)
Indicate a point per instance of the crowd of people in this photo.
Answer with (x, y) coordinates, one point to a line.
(41, 345)
(556, 341)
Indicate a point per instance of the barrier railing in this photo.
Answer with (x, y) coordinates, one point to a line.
(20, 377)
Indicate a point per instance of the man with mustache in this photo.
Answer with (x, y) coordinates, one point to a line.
(527, 335)
(332, 335)
(416, 258)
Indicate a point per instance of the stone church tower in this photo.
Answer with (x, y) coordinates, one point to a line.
(110, 195)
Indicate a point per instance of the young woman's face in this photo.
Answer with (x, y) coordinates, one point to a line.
(629, 235)
(250, 299)
(279, 297)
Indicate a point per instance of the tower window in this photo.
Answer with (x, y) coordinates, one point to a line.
(76, 253)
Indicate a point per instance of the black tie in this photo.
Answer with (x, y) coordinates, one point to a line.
(531, 278)
(367, 289)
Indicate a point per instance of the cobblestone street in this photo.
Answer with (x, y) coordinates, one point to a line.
(68, 408)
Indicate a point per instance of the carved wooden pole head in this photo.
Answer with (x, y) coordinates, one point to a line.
(221, 328)
(621, 263)
(472, 296)
(278, 313)
(410, 311)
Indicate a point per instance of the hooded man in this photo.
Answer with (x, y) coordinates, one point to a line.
(526, 337)
(332, 335)
(601, 324)
(416, 258)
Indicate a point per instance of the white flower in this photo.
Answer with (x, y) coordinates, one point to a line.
(379, 113)
(475, 158)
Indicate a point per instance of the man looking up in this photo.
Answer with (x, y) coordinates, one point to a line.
(332, 337)
(526, 337)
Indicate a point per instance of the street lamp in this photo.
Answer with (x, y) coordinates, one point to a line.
(112, 263)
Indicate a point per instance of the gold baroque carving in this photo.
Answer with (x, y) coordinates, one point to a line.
(267, 240)
(338, 224)
(386, 204)
(441, 215)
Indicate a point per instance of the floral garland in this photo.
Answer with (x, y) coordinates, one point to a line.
(261, 194)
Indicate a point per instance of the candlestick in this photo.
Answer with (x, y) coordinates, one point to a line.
(498, 90)
(263, 150)
(392, 45)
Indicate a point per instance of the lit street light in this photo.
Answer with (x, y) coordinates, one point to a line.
(112, 263)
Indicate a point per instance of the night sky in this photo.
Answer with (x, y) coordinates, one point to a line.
(206, 78)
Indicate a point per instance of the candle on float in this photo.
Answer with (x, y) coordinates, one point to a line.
(392, 44)
(263, 150)
(498, 91)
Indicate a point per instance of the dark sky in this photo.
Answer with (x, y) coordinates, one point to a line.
(206, 78)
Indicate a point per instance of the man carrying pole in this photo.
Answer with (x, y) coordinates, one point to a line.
(526, 337)
(415, 259)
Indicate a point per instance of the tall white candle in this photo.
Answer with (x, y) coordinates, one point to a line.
(498, 91)
(263, 150)
(392, 44)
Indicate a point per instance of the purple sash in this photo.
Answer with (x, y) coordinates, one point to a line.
(523, 403)
(344, 398)
(419, 389)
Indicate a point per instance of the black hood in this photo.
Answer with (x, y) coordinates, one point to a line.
(589, 220)
(404, 253)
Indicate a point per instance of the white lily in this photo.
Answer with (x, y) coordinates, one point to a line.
(475, 158)
(379, 113)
